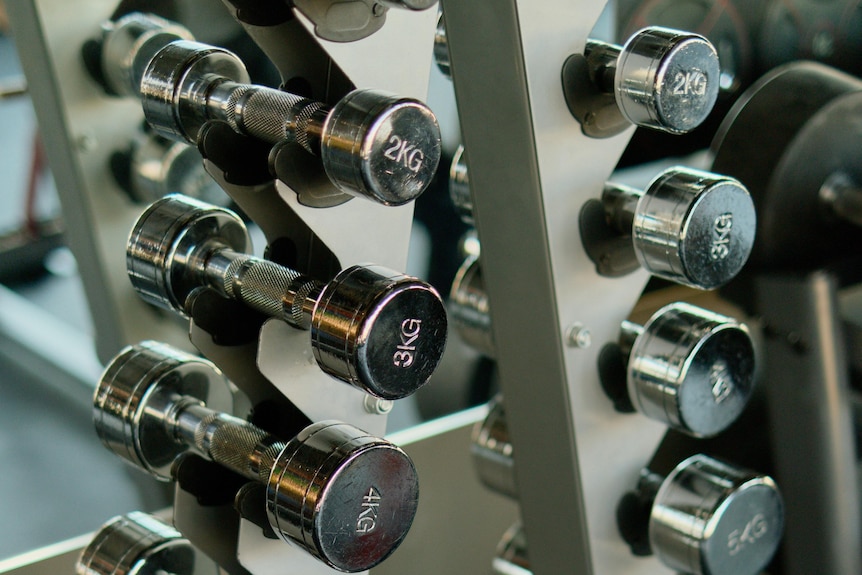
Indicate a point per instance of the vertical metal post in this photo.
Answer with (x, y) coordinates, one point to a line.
(811, 423)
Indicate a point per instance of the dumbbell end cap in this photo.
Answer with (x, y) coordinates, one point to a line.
(381, 147)
(160, 247)
(738, 524)
(718, 380)
(694, 227)
(380, 330)
(360, 505)
(667, 79)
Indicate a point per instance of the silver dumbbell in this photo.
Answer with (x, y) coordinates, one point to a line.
(708, 517)
(689, 368)
(345, 496)
(688, 226)
(155, 167)
(136, 544)
(374, 328)
(661, 79)
(511, 556)
(459, 186)
(469, 309)
(372, 144)
(691, 227)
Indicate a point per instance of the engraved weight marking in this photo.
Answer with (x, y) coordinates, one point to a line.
(692, 83)
(406, 353)
(720, 381)
(721, 236)
(367, 520)
(754, 530)
(403, 152)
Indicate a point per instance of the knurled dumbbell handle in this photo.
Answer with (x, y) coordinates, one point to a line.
(268, 114)
(227, 440)
(272, 289)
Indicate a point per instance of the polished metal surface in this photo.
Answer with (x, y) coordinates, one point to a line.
(177, 82)
(131, 405)
(376, 329)
(661, 79)
(381, 146)
(160, 167)
(137, 544)
(666, 79)
(710, 518)
(491, 448)
(511, 558)
(346, 496)
(380, 330)
(690, 368)
(129, 43)
(468, 307)
(372, 144)
(355, 508)
(441, 48)
(691, 227)
(459, 185)
(166, 246)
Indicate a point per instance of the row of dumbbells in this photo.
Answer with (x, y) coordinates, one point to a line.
(370, 143)
(687, 367)
(345, 496)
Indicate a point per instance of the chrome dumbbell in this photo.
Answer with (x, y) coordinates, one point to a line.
(687, 367)
(371, 144)
(511, 557)
(441, 48)
(459, 186)
(136, 544)
(154, 167)
(661, 79)
(376, 329)
(492, 451)
(691, 227)
(705, 518)
(469, 309)
(345, 496)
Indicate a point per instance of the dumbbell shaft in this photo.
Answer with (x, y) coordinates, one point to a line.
(267, 287)
(267, 114)
(227, 440)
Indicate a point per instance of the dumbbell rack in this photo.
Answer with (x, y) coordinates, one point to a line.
(82, 127)
(531, 171)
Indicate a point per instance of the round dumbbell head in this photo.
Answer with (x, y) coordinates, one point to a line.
(380, 146)
(136, 544)
(691, 369)
(710, 518)
(492, 451)
(511, 557)
(166, 244)
(347, 497)
(667, 79)
(469, 309)
(379, 330)
(694, 228)
(160, 167)
(134, 397)
(176, 83)
(130, 43)
(459, 186)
